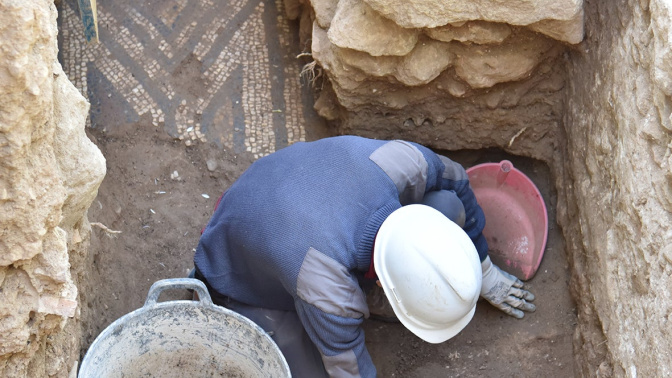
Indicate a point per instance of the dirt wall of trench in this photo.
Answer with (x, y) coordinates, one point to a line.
(617, 189)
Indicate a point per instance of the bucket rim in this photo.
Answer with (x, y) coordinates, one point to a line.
(151, 304)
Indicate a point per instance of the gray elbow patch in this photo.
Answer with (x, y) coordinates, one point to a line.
(453, 171)
(407, 168)
(326, 284)
(342, 365)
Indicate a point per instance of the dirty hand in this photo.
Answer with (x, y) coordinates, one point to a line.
(505, 291)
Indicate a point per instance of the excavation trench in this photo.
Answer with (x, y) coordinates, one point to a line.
(159, 193)
(564, 123)
(185, 95)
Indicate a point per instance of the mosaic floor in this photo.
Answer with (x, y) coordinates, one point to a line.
(204, 71)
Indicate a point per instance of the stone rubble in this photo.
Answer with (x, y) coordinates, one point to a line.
(376, 49)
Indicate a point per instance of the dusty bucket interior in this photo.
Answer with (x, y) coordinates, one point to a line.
(183, 339)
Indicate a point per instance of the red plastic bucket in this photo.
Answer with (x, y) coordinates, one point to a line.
(516, 220)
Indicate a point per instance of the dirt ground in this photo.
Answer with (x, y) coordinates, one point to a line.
(160, 220)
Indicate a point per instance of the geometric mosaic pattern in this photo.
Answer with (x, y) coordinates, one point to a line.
(204, 70)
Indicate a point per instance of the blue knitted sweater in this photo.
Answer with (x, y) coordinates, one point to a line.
(296, 230)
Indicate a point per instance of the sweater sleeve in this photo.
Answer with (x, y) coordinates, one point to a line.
(443, 173)
(340, 340)
(332, 307)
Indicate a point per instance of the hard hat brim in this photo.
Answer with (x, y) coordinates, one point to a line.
(436, 336)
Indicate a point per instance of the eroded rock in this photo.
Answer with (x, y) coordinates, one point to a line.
(485, 66)
(423, 64)
(478, 32)
(373, 65)
(356, 26)
(324, 11)
(427, 60)
(570, 31)
(49, 174)
(433, 13)
(324, 52)
(616, 188)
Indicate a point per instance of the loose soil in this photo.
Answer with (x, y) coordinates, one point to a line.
(160, 218)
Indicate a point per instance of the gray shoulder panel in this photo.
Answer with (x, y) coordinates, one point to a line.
(407, 168)
(453, 171)
(342, 365)
(326, 284)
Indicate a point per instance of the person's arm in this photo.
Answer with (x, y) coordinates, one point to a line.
(443, 173)
(340, 341)
(415, 170)
(332, 307)
(454, 177)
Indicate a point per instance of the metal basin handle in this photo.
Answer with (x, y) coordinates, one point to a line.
(178, 283)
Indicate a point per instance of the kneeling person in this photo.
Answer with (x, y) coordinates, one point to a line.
(296, 237)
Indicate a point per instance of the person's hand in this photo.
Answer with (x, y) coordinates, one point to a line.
(505, 291)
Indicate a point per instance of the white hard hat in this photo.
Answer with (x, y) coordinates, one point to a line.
(430, 271)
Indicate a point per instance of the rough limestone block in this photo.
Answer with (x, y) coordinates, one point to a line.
(49, 174)
(377, 66)
(570, 31)
(356, 26)
(17, 300)
(478, 32)
(662, 60)
(423, 64)
(434, 13)
(80, 161)
(485, 66)
(30, 197)
(324, 52)
(324, 11)
(427, 60)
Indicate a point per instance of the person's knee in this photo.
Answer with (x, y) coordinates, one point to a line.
(447, 202)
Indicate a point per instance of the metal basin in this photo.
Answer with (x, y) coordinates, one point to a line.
(183, 339)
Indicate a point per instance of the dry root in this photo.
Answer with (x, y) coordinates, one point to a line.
(110, 233)
(517, 135)
(311, 71)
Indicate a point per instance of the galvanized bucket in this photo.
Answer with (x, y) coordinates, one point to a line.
(183, 339)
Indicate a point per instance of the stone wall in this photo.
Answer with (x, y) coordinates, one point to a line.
(49, 175)
(445, 74)
(618, 187)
